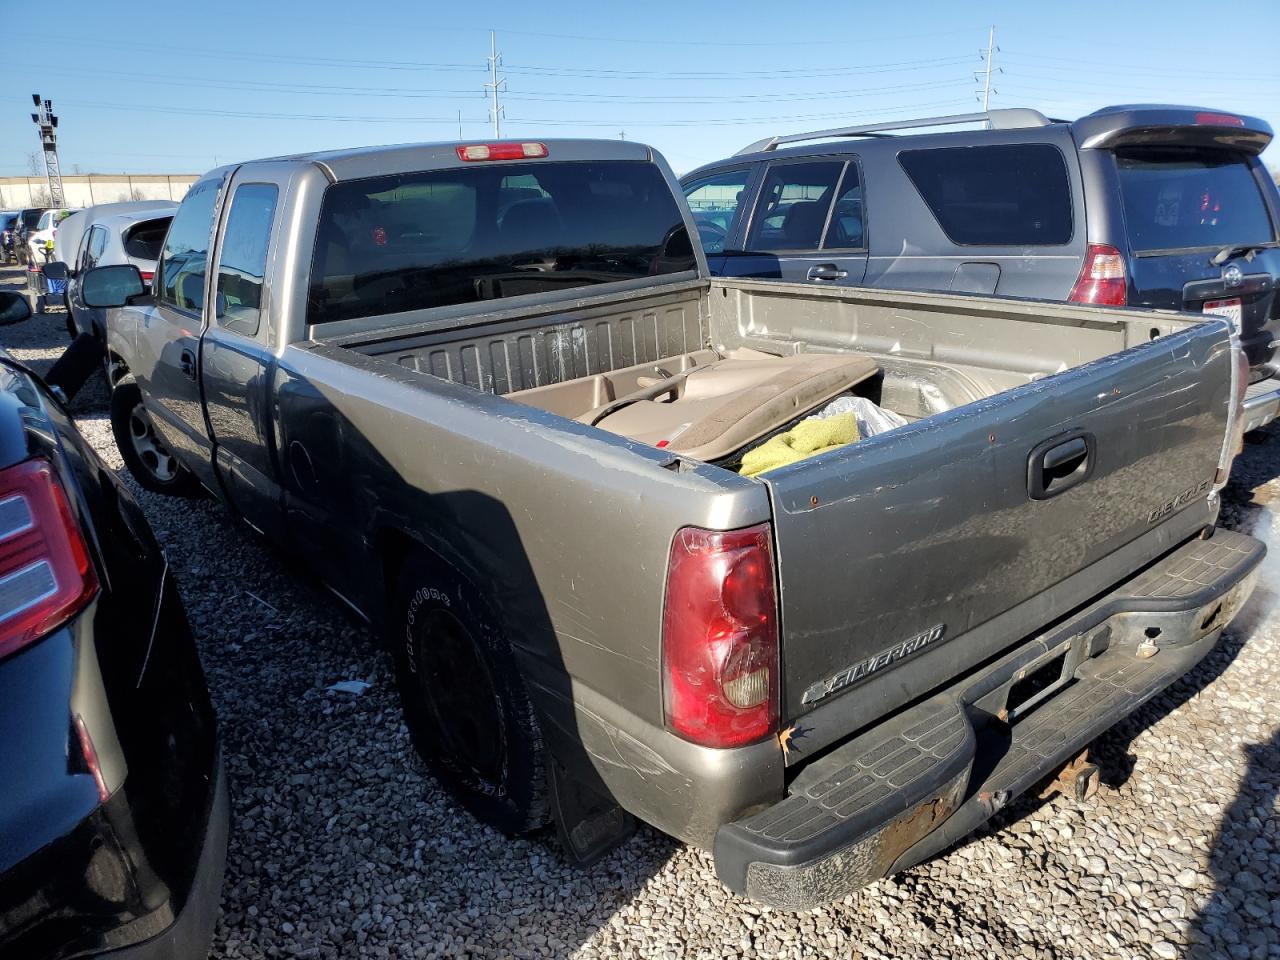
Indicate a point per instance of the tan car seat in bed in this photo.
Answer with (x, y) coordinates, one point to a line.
(710, 412)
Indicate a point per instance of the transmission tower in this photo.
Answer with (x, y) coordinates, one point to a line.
(495, 85)
(988, 56)
(48, 124)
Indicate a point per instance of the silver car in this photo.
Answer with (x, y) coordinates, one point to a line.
(116, 237)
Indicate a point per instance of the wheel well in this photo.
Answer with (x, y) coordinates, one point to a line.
(393, 548)
(117, 369)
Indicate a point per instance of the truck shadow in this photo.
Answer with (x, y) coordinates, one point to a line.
(1236, 917)
(469, 882)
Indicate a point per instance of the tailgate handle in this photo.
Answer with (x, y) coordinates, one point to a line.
(1060, 463)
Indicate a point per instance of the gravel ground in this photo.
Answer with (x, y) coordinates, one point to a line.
(343, 846)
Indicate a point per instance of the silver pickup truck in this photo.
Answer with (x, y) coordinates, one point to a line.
(490, 394)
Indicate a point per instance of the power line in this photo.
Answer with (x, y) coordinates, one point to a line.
(797, 73)
(884, 111)
(451, 120)
(543, 96)
(807, 42)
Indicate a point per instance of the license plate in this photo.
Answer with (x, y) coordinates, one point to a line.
(1230, 309)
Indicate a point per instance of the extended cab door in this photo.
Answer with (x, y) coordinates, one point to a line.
(236, 358)
(166, 361)
(807, 224)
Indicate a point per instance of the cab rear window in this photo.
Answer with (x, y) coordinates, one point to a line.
(444, 237)
(1014, 194)
(1179, 198)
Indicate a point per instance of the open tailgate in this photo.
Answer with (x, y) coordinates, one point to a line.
(896, 550)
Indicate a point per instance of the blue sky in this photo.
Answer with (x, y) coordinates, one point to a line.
(183, 87)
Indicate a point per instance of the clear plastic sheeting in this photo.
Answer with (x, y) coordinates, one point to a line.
(872, 418)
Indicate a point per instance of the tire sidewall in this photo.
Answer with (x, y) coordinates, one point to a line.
(125, 397)
(516, 802)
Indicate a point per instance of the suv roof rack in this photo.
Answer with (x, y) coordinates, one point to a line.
(1005, 119)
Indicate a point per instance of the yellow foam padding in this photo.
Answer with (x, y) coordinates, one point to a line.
(806, 438)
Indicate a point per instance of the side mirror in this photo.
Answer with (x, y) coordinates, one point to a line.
(111, 286)
(57, 270)
(14, 307)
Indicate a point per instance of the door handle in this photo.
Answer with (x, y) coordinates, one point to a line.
(826, 271)
(1060, 463)
(188, 364)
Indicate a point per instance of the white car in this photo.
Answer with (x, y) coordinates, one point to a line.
(113, 234)
(41, 238)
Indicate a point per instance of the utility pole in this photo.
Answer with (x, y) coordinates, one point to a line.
(495, 85)
(459, 124)
(992, 50)
(48, 125)
(622, 134)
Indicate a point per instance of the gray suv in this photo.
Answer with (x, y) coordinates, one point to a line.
(1143, 205)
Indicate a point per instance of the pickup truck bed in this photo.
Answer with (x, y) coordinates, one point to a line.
(746, 663)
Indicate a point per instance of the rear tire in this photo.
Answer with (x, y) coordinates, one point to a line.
(464, 700)
(144, 453)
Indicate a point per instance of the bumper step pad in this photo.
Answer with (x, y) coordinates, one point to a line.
(907, 774)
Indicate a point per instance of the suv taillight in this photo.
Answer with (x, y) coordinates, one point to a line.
(45, 573)
(720, 637)
(1102, 278)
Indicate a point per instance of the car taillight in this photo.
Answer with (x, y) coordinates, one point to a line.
(720, 637)
(1219, 119)
(146, 276)
(1102, 278)
(45, 572)
(502, 151)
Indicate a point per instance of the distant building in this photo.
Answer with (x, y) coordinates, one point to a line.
(86, 189)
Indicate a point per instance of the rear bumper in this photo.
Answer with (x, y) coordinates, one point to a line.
(1261, 403)
(191, 933)
(921, 780)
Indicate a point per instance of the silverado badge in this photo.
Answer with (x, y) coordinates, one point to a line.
(864, 669)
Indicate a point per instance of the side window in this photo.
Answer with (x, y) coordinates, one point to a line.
(181, 270)
(716, 202)
(97, 243)
(1014, 194)
(82, 253)
(847, 230)
(793, 205)
(242, 262)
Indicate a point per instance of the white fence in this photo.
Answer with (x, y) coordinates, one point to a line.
(85, 190)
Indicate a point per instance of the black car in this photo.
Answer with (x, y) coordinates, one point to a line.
(1140, 205)
(113, 803)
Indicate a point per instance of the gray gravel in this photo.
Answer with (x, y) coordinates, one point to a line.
(344, 847)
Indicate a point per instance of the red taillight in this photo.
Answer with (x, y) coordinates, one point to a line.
(720, 637)
(502, 151)
(146, 276)
(1102, 278)
(45, 573)
(1220, 119)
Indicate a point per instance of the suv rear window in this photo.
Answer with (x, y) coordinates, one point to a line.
(1014, 194)
(144, 240)
(434, 239)
(1178, 198)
